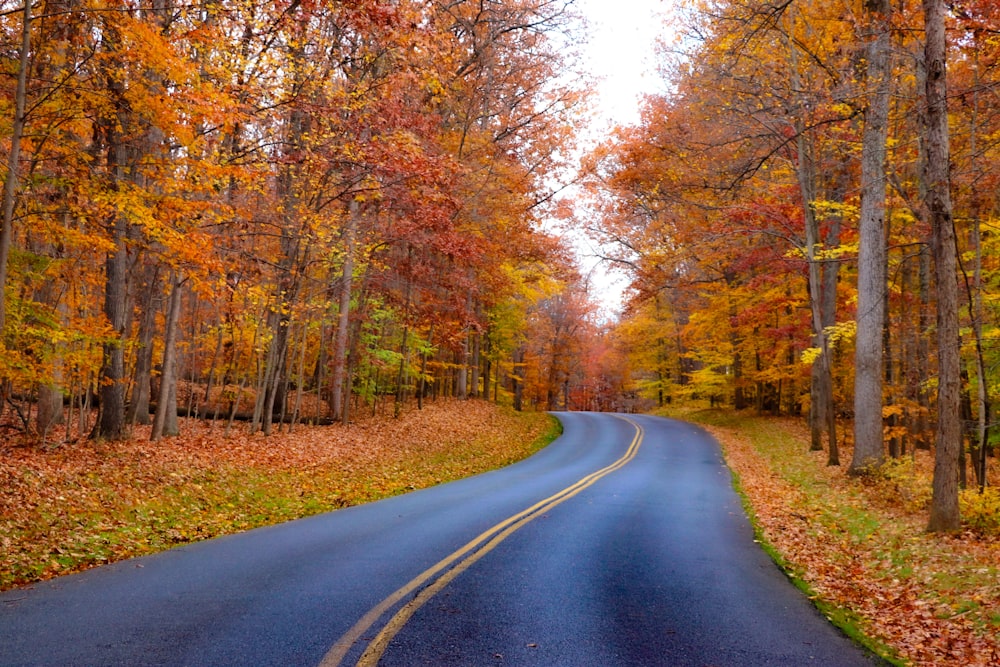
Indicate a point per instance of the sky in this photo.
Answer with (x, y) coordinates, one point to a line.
(619, 54)
(620, 51)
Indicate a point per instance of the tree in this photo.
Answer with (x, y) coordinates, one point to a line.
(868, 371)
(10, 183)
(370, 173)
(944, 514)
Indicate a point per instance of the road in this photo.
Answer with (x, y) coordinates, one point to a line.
(622, 543)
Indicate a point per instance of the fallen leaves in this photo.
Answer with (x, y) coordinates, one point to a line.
(85, 503)
(861, 545)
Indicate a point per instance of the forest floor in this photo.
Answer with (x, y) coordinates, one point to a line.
(859, 546)
(70, 506)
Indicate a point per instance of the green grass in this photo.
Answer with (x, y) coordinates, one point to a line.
(783, 454)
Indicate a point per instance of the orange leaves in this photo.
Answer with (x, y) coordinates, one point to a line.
(933, 599)
(231, 145)
(83, 504)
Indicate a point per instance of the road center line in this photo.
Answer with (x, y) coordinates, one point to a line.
(479, 547)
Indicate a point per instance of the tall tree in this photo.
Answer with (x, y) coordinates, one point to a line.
(10, 183)
(122, 150)
(944, 514)
(868, 438)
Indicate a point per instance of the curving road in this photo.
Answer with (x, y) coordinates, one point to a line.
(622, 543)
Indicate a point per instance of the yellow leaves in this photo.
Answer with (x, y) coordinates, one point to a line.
(810, 355)
(826, 209)
(841, 109)
(821, 253)
(934, 600)
(836, 334)
(903, 217)
(841, 332)
(981, 511)
(76, 506)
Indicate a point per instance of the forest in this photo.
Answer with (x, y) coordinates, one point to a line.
(809, 222)
(275, 212)
(267, 213)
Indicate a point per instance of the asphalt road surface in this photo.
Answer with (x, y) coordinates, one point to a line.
(622, 543)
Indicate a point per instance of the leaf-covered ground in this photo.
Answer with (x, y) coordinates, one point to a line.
(81, 504)
(861, 544)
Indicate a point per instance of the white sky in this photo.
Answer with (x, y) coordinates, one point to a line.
(620, 54)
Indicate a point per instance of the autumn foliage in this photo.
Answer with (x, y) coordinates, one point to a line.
(786, 230)
(71, 507)
(224, 221)
(294, 201)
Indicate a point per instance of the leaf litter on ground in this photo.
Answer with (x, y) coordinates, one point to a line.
(860, 544)
(85, 503)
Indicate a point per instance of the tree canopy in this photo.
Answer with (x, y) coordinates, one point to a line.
(794, 239)
(278, 211)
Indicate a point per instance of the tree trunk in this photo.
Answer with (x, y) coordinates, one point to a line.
(354, 345)
(129, 139)
(339, 392)
(13, 156)
(980, 437)
(422, 383)
(487, 365)
(404, 351)
(165, 420)
(890, 393)
(404, 358)
(111, 424)
(822, 416)
(828, 313)
(909, 335)
(474, 364)
(138, 408)
(740, 401)
(944, 514)
(462, 369)
(274, 397)
(111, 419)
(270, 381)
(518, 388)
(868, 439)
(50, 406)
(975, 293)
(820, 385)
(300, 385)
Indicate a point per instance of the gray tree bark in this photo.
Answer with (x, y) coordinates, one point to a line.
(13, 156)
(944, 514)
(868, 437)
(822, 416)
(138, 407)
(339, 393)
(165, 420)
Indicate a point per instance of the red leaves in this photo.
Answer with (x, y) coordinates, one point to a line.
(934, 599)
(84, 504)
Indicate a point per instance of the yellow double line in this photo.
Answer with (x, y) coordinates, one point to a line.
(447, 569)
